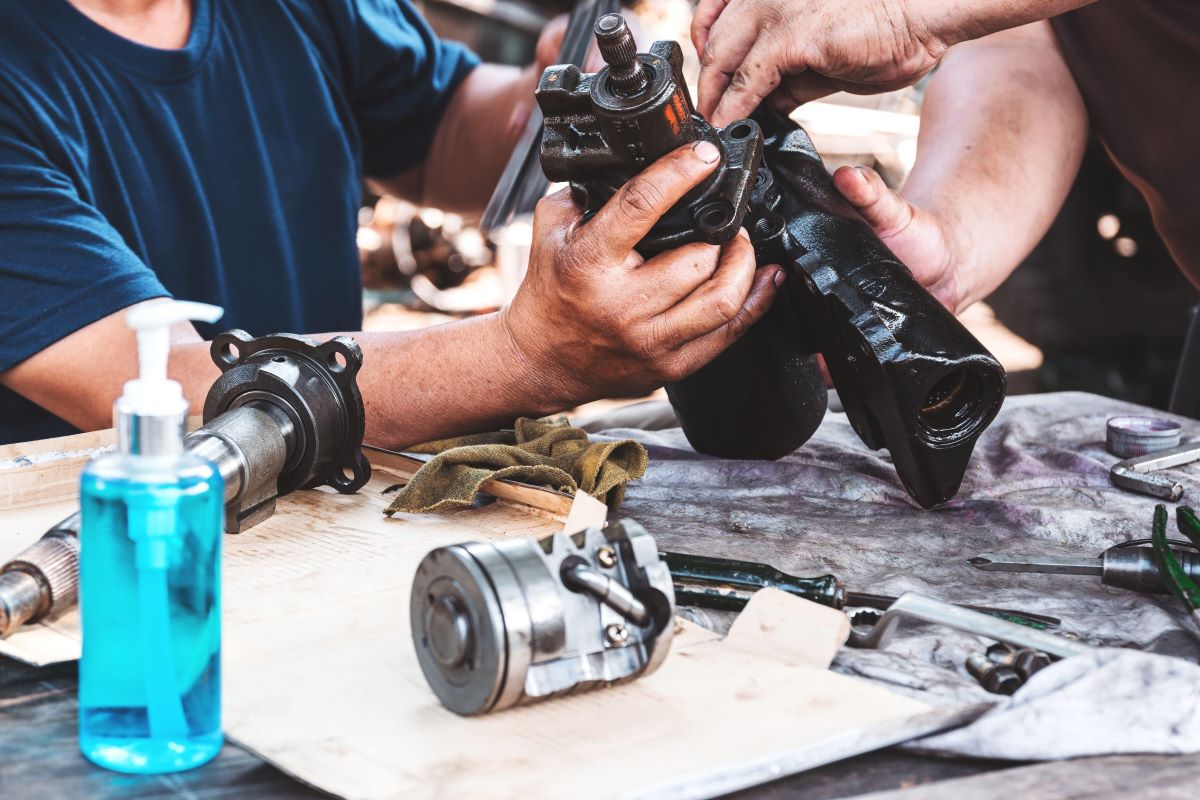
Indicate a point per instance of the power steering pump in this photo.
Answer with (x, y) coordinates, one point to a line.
(910, 377)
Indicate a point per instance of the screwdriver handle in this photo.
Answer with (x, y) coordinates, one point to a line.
(1136, 569)
(727, 583)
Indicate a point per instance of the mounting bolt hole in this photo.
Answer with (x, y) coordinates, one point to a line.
(230, 353)
(714, 216)
(279, 359)
(337, 361)
(742, 130)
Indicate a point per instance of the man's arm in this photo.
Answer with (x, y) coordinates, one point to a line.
(800, 50)
(1003, 129)
(479, 129)
(592, 319)
(477, 132)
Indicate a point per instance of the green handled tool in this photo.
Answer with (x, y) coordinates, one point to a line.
(1174, 575)
(727, 585)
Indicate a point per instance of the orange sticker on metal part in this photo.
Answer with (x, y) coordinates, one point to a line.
(674, 113)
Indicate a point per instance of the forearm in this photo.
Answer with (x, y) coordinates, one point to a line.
(1003, 129)
(955, 21)
(474, 139)
(462, 377)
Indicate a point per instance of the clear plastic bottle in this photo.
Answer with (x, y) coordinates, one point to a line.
(150, 577)
(150, 676)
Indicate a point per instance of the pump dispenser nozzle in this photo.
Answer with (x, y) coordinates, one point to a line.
(150, 415)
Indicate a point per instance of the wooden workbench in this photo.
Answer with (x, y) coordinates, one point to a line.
(39, 759)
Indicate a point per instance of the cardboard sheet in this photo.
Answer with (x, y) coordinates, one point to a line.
(321, 678)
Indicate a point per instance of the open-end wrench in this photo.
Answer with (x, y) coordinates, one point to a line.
(916, 606)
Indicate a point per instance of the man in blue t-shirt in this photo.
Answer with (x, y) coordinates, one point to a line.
(214, 150)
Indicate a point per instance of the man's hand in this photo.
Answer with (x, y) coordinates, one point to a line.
(919, 238)
(799, 50)
(595, 319)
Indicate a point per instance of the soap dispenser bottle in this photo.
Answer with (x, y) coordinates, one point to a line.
(150, 566)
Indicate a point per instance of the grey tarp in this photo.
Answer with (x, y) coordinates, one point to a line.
(1038, 483)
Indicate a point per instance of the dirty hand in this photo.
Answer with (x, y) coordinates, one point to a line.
(595, 319)
(800, 50)
(922, 240)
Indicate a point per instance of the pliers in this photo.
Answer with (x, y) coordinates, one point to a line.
(1171, 570)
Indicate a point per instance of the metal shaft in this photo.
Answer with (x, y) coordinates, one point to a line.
(1125, 566)
(626, 72)
(1053, 565)
(43, 580)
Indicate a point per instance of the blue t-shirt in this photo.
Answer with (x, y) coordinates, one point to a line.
(228, 171)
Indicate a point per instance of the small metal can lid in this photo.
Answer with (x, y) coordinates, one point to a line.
(1129, 436)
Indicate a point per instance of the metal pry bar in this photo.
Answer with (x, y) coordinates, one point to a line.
(522, 183)
(1134, 473)
(916, 606)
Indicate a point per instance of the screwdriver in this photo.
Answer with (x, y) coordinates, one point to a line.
(1129, 565)
(727, 585)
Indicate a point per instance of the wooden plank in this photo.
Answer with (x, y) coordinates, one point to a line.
(33, 473)
(47, 471)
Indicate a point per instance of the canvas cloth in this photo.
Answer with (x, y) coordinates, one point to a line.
(1038, 483)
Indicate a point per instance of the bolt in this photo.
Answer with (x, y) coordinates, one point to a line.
(992, 677)
(1001, 653)
(607, 557)
(617, 634)
(1029, 662)
(1025, 661)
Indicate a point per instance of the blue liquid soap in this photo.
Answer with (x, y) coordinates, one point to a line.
(150, 566)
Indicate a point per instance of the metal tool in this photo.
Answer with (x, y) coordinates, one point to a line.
(1129, 437)
(522, 183)
(1026, 662)
(993, 677)
(728, 584)
(285, 414)
(1135, 473)
(910, 376)
(1128, 565)
(507, 623)
(1181, 583)
(912, 605)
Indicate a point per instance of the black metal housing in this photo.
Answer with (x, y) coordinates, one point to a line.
(910, 377)
(315, 385)
(598, 138)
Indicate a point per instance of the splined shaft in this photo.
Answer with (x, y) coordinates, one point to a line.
(626, 72)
